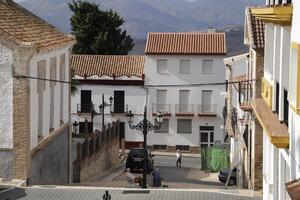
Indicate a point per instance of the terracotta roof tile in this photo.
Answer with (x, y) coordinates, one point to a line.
(21, 26)
(108, 65)
(256, 28)
(196, 43)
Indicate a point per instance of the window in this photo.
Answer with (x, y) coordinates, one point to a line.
(206, 101)
(86, 101)
(62, 78)
(82, 127)
(164, 127)
(161, 99)
(206, 136)
(162, 66)
(184, 99)
(207, 67)
(52, 87)
(41, 86)
(185, 67)
(183, 147)
(159, 147)
(184, 126)
(119, 101)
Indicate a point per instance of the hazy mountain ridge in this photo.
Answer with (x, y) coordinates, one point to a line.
(144, 16)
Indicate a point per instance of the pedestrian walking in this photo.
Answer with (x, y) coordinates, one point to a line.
(178, 158)
(106, 196)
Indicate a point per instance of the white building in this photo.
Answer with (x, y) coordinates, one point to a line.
(34, 125)
(120, 77)
(277, 111)
(182, 75)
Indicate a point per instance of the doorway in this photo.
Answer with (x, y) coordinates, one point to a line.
(206, 136)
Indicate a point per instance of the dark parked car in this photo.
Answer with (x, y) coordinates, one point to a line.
(135, 160)
(224, 173)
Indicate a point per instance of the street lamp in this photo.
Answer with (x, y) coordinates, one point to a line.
(145, 126)
(75, 127)
(102, 108)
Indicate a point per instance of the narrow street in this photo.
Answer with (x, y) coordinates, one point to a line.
(189, 176)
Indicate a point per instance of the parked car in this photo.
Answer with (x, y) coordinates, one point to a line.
(224, 173)
(135, 160)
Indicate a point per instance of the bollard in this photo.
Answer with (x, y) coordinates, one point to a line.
(106, 196)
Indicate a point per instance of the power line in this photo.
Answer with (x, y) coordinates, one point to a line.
(21, 76)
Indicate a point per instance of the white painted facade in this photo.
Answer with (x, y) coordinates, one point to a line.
(281, 165)
(6, 93)
(60, 113)
(183, 86)
(134, 99)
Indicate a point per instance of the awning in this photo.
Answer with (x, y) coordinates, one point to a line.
(277, 131)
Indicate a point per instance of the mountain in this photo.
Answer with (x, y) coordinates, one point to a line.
(144, 16)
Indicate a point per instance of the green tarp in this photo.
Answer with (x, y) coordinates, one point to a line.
(214, 159)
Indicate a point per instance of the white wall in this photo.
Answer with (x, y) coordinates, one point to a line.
(174, 77)
(6, 100)
(155, 81)
(135, 98)
(46, 94)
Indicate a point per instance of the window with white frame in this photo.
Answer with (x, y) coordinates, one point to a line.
(62, 78)
(206, 105)
(185, 66)
(161, 99)
(164, 128)
(162, 66)
(207, 66)
(184, 125)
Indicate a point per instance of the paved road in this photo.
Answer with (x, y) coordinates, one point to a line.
(68, 193)
(170, 161)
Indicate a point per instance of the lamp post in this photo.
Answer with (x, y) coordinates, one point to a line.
(102, 108)
(75, 127)
(145, 126)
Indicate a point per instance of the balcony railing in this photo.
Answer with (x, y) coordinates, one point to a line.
(163, 108)
(245, 96)
(119, 108)
(184, 109)
(207, 110)
(278, 2)
(85, 108)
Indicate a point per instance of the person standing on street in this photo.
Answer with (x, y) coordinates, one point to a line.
(178, 158)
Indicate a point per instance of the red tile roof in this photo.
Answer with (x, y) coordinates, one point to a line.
(256, 30)
(21, 26)
(195, 43)
(108, 65)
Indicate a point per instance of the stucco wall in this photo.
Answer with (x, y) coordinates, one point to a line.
(6, 100)
(46, 95)
(50, 164)
(6, 162)
(135, 99)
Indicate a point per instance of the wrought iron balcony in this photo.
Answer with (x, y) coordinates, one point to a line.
(207, 110)
(245, 96)
(184, 109)
(279, 2)
(165, 109)
(85, 108)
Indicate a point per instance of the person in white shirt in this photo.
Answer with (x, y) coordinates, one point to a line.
(178, 158)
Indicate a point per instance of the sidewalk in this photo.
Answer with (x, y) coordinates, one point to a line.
(93, 193)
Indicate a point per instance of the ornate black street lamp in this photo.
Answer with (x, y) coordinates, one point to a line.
(145, 126)
(102, 107)
(75, 127)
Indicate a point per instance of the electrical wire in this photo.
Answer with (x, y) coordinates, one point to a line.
(21, 76)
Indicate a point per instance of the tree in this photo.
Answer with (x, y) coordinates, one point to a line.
(98, 31)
